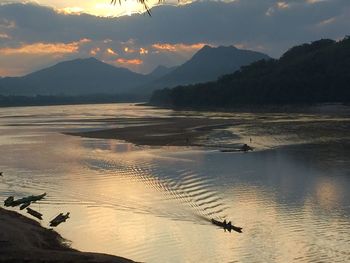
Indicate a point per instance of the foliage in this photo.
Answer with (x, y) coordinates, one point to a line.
(43, 100)
(143, 2)
(309, 73)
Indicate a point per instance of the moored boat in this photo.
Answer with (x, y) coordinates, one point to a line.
(10, 201)
(34, 213)
(59, 219)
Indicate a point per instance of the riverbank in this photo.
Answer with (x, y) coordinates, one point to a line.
(162, 131)
(24, 240)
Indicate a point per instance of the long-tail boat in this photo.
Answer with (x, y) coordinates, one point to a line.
(59, 219)
(34, 213)
(226, 226)
(10, 201)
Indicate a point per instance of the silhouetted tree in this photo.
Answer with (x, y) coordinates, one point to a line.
(309, 73)
(143, 2)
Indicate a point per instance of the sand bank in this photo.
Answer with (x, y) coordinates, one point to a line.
(24, 240)
(162, 131)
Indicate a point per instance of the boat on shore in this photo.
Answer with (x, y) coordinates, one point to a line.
(59, 219)
(10, 201)
(35, 213)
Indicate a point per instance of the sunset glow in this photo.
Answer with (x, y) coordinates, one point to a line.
(94, 51)
(177, 47)
(143, 51)
(175, 131)
(100, 7)
(111, 52)
(129, 61)
(43, 48)
(59, 30)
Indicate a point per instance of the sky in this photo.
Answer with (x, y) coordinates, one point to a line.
(35, 35)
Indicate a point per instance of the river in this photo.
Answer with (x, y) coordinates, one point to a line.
(153, 204)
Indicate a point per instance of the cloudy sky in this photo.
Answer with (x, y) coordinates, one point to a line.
(34, 35)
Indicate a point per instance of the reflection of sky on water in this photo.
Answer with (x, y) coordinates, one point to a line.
(148, 204)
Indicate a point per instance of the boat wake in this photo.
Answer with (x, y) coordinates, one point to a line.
(166, 190)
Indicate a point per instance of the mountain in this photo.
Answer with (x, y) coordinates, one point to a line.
(160, 71)
(82, 77)
(208, 64)
(310, 73)
(75, 77)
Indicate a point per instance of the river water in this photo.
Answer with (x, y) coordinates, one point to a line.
(153, 204)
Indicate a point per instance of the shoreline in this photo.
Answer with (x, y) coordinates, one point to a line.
(162, 131)
(259, 108)
(24, 240)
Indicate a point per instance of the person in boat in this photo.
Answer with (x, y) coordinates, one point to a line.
(246, 148)
(228, 226)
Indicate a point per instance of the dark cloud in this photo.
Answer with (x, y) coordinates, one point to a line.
(270, 26)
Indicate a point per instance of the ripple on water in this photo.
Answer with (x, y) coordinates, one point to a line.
(155, 205)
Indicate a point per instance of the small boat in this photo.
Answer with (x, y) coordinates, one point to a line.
(29, 199)
(246, 148)
(35, 213)
(226, 226)
(9, 201)
(24, 205)
(59, 219)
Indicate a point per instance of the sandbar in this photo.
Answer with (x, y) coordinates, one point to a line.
(177, 131)
(25, 240)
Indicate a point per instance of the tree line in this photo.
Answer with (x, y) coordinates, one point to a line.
(316, 72)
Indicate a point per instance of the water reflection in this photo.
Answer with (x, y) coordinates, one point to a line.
(152, 204)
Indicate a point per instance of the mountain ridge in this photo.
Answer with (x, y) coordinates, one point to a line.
(160, 71)
(317, 72)
(84, 76)
(73, 77)
(208, 64)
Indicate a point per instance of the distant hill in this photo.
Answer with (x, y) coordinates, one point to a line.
(160, 71)
(309, 73)
(208, 64)
(81, 77)
(75, 77)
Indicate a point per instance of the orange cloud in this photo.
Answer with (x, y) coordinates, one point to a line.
(250, 46)
(44, 48)
(128, 50)
(129, 61)
(167, 47)
(143, 51)
(85, 40)
(94, 51)
(111, 52)
(9, 72)
(70, 10)
(177, 47)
